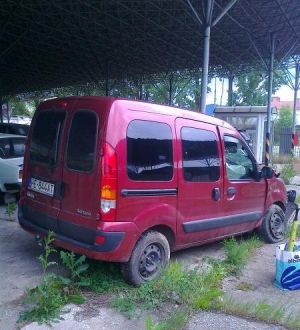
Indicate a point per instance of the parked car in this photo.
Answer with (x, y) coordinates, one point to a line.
(12, 149)
(128, 182)
(11, 128)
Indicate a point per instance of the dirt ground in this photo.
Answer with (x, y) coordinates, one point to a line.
(20, 269)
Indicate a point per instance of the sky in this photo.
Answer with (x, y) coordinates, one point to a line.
(285, 93)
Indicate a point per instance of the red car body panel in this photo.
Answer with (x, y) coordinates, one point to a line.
(184, 211)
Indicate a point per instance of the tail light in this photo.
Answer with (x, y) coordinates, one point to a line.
(108, 190)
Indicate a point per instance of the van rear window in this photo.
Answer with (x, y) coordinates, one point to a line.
(149, 151)
(46, 136)
(82, 142)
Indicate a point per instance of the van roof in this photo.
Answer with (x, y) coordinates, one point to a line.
(149, 107)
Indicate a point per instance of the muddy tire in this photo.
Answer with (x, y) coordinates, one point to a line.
(149, 257)
(273, 227)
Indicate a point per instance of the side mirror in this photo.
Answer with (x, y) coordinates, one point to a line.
(267, 172)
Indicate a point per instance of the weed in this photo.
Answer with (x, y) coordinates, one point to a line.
(104, 277)
(287, 173)
(175, 321)
(10, 210)
(76, 268)
(238, 252)
(48, 250)
(178, 286)
(244, 286)
(262, 311)
(48, 298)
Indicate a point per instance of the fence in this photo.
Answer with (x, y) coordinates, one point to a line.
(296, 151)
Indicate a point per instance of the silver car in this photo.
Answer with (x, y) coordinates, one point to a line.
(12, 149)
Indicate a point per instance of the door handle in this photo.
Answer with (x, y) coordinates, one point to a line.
(231, 191)
(216, 194)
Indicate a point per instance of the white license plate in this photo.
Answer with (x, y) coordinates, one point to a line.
(42, 187)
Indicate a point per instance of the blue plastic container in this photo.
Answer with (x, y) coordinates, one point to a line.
(288, 268)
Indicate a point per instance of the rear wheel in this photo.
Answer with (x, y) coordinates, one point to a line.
(273, 227)
(148, 258)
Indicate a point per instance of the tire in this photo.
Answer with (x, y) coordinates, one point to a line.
(273, 227)
(149, 257)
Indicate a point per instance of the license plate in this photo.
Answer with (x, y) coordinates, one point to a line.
(42, 187)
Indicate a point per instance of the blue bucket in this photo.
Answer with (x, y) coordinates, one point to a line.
(287, 268)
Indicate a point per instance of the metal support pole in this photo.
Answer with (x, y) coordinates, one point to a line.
(230, 90)
(1, 111)
(270, 89)
(205, 63)
(170, 90)
(296, 87)
(140, 91)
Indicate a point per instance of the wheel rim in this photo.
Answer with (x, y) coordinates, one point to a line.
(151, 261)
(277, 225)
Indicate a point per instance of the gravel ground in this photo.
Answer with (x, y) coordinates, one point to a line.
(20, 269)
(208, 320)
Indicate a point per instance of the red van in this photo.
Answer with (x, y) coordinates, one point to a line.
(128, 181)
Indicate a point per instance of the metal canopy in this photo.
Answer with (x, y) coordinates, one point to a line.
(46, 44)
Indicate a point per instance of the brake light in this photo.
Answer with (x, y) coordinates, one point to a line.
(108, 190)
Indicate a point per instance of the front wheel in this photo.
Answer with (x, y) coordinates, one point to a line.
(148, 259)
(273, 227)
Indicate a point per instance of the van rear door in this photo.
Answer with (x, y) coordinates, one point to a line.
(80, 203)
(42, 188)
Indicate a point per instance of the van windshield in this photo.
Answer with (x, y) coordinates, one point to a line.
(46, 136)
(12, 147)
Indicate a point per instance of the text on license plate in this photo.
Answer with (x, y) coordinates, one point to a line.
(42, 187)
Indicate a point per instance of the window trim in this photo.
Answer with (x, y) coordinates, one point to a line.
(96, 144)
(172, 144)
(219, 154)
(56, 110)
(254, 162)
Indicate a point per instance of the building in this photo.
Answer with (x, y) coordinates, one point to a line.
(279, 104)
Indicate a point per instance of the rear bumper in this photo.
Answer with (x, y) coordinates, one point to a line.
(116, 246)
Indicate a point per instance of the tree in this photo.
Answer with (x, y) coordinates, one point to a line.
(285, 119)
(251, 88)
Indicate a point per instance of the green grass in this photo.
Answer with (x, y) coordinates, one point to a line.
(183, 290)
(178, 286)
(238, 252)
(262, 311)
(104, 277)
(45, 302)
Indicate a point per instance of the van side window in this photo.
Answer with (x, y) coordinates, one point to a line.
(149, 151)
(46, 137)
(201, 161)
(239, 163)
(82, 142)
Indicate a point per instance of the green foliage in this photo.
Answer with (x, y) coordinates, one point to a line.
(104, 277)
(76, 268)
(48, 250)
(287, 173)
(251, 88)
(10, 210)
(46, 300)
(284, 120)
(244, 286)
(175, 321)
(55, 291)
(276, 314)
(238, 253)
(193, 288)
